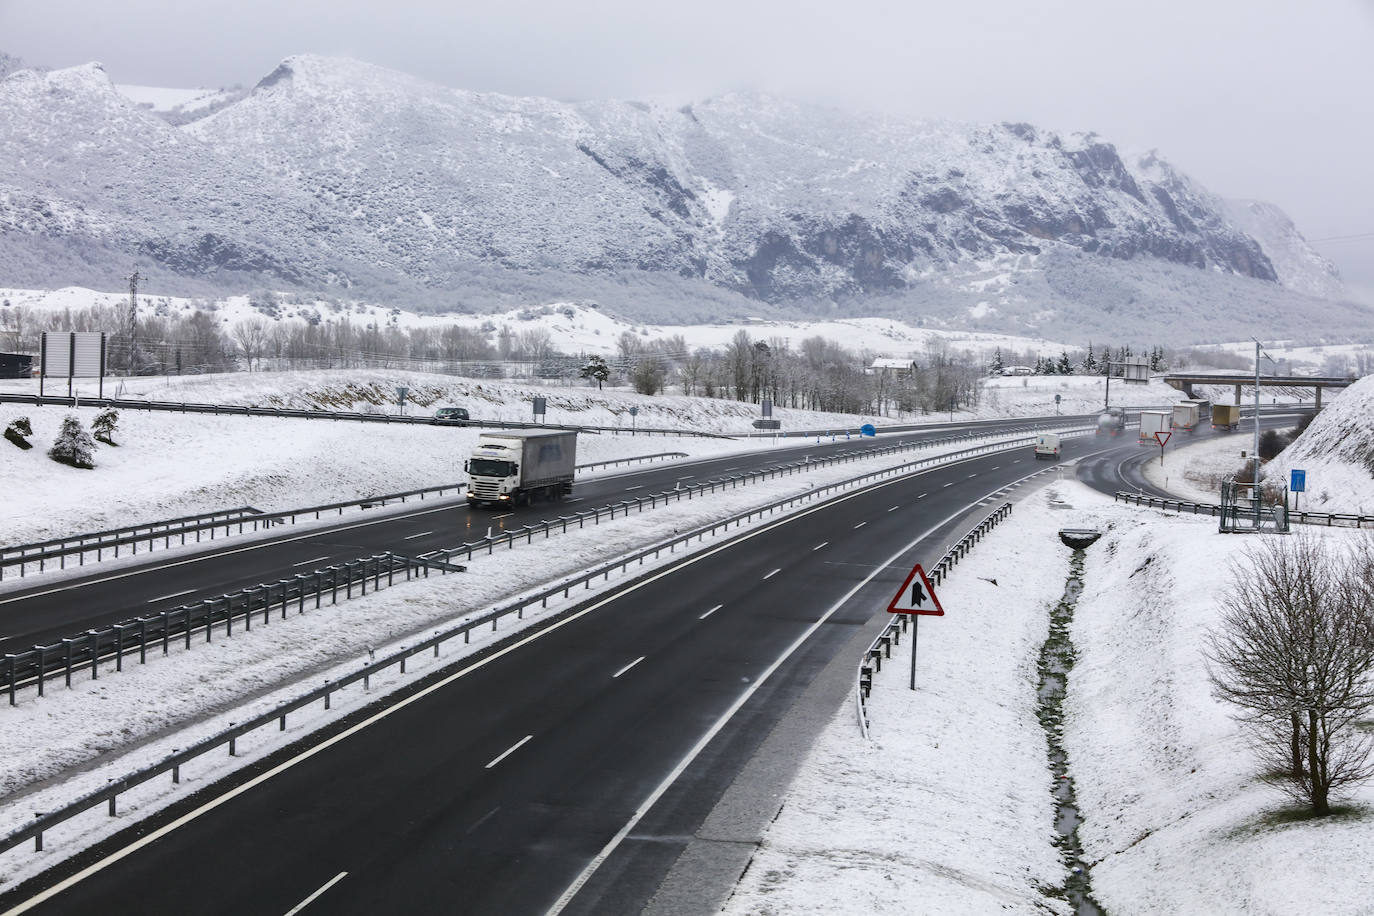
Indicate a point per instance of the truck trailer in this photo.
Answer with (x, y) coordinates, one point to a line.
(1225, 416)
(1185, 415)
(1151, 422)
(510, 467)
(1111, 421)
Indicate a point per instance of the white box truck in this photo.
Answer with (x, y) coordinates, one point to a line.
(1185, 415)
(510, 467)
(1154, 421)
(1047, 446)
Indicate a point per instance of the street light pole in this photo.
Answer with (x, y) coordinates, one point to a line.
(1255, 457)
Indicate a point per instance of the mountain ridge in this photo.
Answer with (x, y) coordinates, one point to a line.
(337, 174)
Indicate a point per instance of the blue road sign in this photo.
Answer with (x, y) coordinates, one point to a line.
(868, 430)
(1298, 481)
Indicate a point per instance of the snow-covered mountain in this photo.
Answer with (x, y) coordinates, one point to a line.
(336, 173)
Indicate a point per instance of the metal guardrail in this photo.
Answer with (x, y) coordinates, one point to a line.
(892, 633)
(109, 794)
(150, 533)
(1328, 519)
(90, 648)
(304, 414)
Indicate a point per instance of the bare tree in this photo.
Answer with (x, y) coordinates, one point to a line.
(251, 335)
(1295, 654)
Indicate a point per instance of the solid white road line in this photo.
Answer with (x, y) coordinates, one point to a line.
(508, 751)
(113, 577)
(773, 573)
(639, 486)
(726, 716)
(172, 595)
(628, 667)
(710, 612)
(307, 901)
(422, 534)
(308, 562)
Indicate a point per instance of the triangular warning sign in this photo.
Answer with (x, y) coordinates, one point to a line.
(916, 596)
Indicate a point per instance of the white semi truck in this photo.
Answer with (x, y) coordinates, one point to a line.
(511, 467)
(1154, 421)
(1186, 415)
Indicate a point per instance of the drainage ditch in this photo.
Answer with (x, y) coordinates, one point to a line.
(1056, 660)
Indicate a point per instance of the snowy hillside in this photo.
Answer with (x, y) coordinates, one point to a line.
(335, 174)
(1337, 452)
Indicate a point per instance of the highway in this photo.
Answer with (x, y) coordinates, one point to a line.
(604, 740)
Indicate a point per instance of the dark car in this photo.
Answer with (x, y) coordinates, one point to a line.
(451, 416)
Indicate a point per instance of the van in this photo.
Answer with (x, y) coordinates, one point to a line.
(1047, 446)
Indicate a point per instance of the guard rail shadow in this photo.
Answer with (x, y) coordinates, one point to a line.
(442, 560)
(891, 634)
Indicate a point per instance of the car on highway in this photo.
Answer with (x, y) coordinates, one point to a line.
(451, 416)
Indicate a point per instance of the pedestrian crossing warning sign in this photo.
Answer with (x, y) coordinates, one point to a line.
(916, 596)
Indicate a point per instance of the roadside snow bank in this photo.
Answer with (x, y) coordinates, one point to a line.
(948, 808)
(1176, 819)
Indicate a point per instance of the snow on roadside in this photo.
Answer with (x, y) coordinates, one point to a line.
(948, 809)
(73, 741)
(1176, 817)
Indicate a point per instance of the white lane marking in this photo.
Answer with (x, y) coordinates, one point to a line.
(244, 788)
(422, 534)
(308, 562)
(308, 900)
(922, 496)
(894, 508)
(172, 595)
(687, 477)
(504, 515)
(726, 716)
(971, 476)
(638, 486)
(996, 467)
(860, 525)
(114, 577)
(508, 751)
(628, 667)
(710, 612)
(773, 573)
(1017, 461)
(819, 546)
(950, 484)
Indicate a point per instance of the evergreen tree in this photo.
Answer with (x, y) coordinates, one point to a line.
(73, 445)
(19, 431)
(597, 368)
(1089, 364)
(997, 364)
(1065, 367)
(104, 424)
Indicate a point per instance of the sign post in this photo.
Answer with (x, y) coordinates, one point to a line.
(1297, 483)
(401, 398)
(916, 597)
(1162, 439)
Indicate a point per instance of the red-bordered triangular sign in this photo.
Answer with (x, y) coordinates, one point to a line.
(916, 596)
(1165, 440)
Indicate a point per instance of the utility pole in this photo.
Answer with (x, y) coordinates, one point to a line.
(1254, 475)
(131, 323)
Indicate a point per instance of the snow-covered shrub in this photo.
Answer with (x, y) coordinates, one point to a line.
(104, 424)
(19, 431)
(73, 445)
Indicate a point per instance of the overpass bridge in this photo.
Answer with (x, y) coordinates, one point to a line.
(1185, 381)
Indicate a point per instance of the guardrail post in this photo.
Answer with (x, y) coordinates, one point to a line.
(9, 664)
(67, 644)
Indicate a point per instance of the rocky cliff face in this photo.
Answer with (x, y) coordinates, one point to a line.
(337, 173)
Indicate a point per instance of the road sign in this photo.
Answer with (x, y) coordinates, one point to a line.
(867, 430)
(1165, 440)
(916, 596)
(1298, 481)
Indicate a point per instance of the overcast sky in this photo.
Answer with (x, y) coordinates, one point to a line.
(1267, 99)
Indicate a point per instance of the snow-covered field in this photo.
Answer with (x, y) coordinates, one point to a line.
(948, 809)
(1175, 820)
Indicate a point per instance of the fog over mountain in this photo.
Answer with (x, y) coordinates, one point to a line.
(342, 178)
